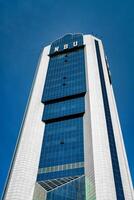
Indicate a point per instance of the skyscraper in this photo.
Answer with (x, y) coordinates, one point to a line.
(70, 146)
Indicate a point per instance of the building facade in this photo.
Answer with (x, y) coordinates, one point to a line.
(70, 145)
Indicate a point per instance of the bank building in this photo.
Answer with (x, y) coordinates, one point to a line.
(70, 145)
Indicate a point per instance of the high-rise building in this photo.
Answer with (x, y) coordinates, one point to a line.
(70, 146)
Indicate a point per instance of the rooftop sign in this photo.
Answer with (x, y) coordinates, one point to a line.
(67, 42)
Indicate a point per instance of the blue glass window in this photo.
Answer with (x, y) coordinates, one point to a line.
(65, 76)
(69, 132)
(64, 108)
(75, 190)
(62, 144)
(62, 151)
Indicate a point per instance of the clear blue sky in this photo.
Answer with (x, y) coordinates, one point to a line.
(26, 26)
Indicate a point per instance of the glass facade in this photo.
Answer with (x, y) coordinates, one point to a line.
(65, 76)
(70, 191)
(62, 109)
(62, 144)
(66, 139)
(62, 154)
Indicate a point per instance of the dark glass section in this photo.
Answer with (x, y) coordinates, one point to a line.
(108, 71)
(62, 153)
(63, 143)
(64, 108)
(114, 157)
(75, 190)
(65, 76)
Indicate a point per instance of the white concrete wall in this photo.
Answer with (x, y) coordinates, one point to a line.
(88, 146)
(22, 179)
(39, 193)
(124, 169)
(104, 180)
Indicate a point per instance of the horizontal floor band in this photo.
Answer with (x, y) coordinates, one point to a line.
(61, 167)
(63, 118)
(63, 98)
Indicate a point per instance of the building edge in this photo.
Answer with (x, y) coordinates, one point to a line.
(13, 160)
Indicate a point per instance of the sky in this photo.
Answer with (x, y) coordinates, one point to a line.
(26, 26)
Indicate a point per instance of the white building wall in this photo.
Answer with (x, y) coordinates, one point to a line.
(124, 169)
(88, 153)
(104, 180)
(39, 192)
(22, 179)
